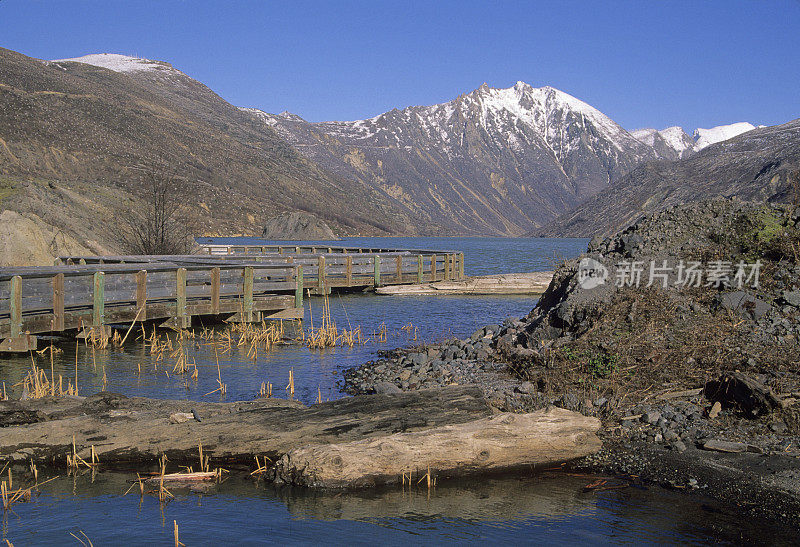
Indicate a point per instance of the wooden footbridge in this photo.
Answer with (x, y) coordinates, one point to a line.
(240, 283)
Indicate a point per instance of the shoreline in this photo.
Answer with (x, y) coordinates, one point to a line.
(762, 480)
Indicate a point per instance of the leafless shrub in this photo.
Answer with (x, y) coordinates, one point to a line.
(162, 225)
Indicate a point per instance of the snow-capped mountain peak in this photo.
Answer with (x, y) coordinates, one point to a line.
(120, 63)
(554, 115)
(523, 100)
(707, 137)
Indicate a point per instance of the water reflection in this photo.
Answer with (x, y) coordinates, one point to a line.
(549, 508)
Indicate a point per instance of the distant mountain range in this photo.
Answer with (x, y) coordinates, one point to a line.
(489, 162)
(673, 143)
(755, 165)
(492, 161)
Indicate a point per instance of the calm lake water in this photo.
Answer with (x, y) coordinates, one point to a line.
(535, 509)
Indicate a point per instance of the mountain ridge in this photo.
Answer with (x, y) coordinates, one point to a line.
(492, 161)
(505, 159)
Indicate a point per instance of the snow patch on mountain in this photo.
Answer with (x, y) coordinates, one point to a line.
(268, 119)
(646, 135)
(675, 143)
(677, 139)
(707, 137)
(120, 63)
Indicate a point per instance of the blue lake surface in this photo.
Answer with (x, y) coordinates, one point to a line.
(550, 509)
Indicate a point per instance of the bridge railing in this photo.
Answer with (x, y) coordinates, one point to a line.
(54, 299)
(90, 291)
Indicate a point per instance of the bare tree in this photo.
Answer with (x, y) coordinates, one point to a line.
(161, 226)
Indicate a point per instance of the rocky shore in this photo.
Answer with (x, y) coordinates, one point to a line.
(697, 386)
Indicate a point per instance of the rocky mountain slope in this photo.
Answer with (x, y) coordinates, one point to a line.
(297, 226)
(492, 161)
(76, 137)
(757, 165)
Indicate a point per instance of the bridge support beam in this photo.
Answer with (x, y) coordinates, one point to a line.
(20, 344)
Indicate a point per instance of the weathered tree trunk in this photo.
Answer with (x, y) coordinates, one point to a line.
(500, 442)
(126, 430)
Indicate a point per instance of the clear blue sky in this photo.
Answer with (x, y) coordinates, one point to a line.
(689, 63)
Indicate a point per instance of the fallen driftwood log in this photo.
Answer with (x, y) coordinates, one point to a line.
(513, 283)
(501, 442)
(134, 429)
(357, 441)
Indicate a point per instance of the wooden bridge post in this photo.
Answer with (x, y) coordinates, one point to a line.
(298, 291)
(248, 294)
(215, 290)
(461, 265)
(399, 261)
(321, 275)
(420, 268)
(377, 272)
(58, 302)
(447, 259)
(16, 306)
(349, 270)
(17, 342)
(180, 298)
(141, 295)
(99, 300)
(433, 267)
